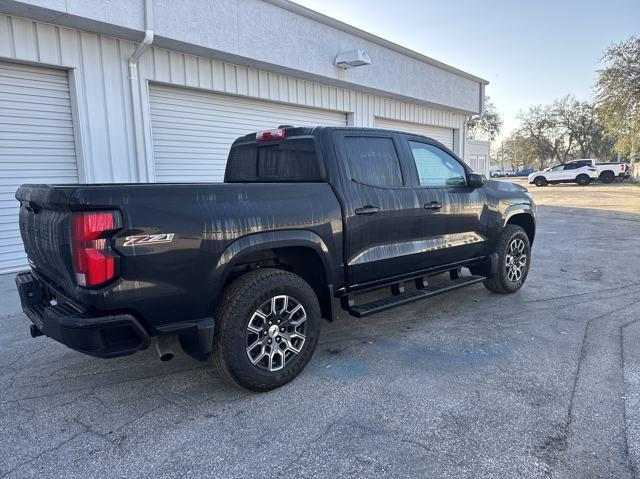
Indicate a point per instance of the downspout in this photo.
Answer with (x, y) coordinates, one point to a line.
(465, 135)
(136, 100)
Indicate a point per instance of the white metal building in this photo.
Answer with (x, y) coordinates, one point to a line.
(153, 90)
(477, 154)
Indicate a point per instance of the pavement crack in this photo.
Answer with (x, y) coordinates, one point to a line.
(559, 442)
(42, 453)
(392, 434)
(325, 431)
(138, 417)
(587, 293)
(89, 429)
(25, 355)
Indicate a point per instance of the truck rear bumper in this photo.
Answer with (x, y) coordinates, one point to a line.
(105, 336)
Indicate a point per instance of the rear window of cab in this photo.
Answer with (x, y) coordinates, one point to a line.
(290, 160)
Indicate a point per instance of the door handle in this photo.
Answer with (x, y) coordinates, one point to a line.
(367, 210)
(434, 205)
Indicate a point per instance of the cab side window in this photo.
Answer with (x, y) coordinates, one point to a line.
(436, 168)
(373, 161)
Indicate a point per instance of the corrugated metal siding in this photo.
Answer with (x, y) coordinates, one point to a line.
(443, 135)
(193, 130)
(185, 70)
(477, 155)
(478, 163)
(36, 144)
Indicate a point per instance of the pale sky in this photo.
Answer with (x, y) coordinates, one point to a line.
(531, 51)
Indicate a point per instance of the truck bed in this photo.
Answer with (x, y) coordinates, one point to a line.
(205, 219)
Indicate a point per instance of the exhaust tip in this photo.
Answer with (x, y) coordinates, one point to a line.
(164, 347)
(166, 357)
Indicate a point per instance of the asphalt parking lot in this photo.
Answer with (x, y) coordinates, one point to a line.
(542, 383)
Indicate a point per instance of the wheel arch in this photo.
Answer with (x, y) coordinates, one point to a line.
(524, 218)
(543, 177)
(302, 252)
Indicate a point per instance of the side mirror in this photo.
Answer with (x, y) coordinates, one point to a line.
(475, 180)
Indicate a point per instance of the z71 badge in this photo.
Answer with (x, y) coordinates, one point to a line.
(144, 240)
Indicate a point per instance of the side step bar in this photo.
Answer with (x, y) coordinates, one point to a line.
(367, 309)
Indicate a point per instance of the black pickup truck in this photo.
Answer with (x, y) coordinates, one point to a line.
(306, 221)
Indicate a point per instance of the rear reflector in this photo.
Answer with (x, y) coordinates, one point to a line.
(93, 260)
(277, 134)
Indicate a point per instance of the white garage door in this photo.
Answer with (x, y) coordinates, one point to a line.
(443, 135)
(193, 130)
(36, 144)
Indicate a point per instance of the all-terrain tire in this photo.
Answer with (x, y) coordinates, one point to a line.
(502, 281)
(240, 300)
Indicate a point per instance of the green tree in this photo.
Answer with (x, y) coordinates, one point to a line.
(618, 95)
(582, 128)
(566, 129)
(518, 151)
(485, 126)
(539, 125)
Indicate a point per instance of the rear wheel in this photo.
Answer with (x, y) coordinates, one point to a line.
(540, 181)
(514, 258)
(267, 329)
(607, 177)
(583, 180)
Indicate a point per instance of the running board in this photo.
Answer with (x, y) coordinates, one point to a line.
(367, 309)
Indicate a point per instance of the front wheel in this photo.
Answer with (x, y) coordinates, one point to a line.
(514, 258)
(267, 328)
(540, 181)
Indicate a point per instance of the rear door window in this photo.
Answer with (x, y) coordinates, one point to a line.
(373, 160)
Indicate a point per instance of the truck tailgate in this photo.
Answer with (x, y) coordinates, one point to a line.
(45, 230)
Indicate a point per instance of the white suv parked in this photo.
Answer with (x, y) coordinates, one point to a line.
(607, 172)
(565, 173)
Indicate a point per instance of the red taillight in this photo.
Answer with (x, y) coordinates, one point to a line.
(624, 167)
(277, 134)
(93, 260)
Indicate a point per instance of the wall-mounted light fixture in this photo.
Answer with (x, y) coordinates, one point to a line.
(353, 58)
